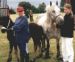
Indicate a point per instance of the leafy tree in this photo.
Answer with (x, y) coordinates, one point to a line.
(12, 11)
(41, 7)
(34, 9)
(62, 4)
(27, 6)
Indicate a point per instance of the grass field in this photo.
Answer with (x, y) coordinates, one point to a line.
(4, 48)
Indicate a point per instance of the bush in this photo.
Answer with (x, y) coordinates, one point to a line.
(12, 11)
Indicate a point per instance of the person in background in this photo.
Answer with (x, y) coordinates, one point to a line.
(31, 16)
(27, 13)
(21, 29)
(66, 39)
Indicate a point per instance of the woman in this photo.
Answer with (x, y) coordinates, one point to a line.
(67, 35)
(21, 33)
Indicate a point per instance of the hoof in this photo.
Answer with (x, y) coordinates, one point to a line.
(18, 60)
(58, 56)
(9, 59)
(47, 57)
(39, 56)
(33, 60)
(60, 59)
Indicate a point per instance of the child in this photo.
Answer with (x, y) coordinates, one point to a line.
(66, 39)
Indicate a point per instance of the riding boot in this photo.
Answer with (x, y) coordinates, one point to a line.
(21, 58)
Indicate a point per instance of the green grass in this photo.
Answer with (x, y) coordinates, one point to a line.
(4, 47)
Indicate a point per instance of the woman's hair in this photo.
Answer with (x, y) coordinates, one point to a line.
(68, 6)
(21, 4)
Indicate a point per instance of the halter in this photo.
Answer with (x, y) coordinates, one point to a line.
(6, 26)
(54, 21)
(56, 18)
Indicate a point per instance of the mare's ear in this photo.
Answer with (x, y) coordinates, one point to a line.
(50, 3)
(57, 3)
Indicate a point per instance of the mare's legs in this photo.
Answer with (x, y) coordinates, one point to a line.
(47, 49)
(58, 48)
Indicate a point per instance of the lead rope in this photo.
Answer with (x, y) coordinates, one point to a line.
(8, 24)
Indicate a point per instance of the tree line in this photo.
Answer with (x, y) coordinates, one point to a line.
(40, 9)
(28, 6)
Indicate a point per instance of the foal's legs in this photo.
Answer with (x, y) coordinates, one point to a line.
(37, 48)
(35, 44)
(43, 43)
(12, 45)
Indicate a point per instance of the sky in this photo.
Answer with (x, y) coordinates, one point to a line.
(14, 3)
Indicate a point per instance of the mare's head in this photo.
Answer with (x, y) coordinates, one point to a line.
(53, 10)
(5, 21)
(54, 14)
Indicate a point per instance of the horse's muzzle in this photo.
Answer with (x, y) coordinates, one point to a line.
(3, 29)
